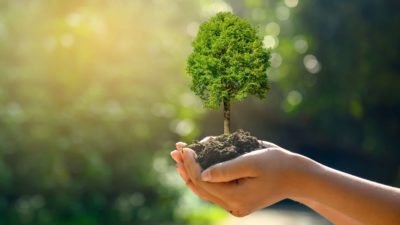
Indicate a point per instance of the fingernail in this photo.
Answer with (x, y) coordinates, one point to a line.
(206, 175)
(174, 156)
(180, 145)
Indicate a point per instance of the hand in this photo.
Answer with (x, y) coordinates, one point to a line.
(263, 177)
(242, 185)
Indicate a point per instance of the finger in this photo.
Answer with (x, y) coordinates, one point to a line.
(192, 167)
(180, 146)
(176, 155)
(193, 171)
(240, 167)
(198, 190)
(203, 194)
(182, 172)
(206, 139)
(267, 144)
(195, 190)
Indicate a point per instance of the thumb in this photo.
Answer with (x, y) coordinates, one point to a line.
(240, 167)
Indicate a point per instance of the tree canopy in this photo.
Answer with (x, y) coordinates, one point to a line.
(228, 61)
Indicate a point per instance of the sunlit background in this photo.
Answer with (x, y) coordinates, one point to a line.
(94, 94)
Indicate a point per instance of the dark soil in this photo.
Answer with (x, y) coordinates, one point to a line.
(224, 147)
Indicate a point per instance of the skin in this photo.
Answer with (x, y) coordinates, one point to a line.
(261, 178)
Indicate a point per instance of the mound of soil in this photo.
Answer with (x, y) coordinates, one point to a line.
(224, 147)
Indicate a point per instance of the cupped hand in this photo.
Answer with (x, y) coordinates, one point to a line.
(242, 185)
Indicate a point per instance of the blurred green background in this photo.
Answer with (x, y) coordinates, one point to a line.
(94, 94)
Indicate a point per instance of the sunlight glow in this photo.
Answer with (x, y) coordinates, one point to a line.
(74, 19)
(3, 31)
(97, 25)
(14, 110)
(67, 40)
(49, 44)
(214, 7)
(192, 29)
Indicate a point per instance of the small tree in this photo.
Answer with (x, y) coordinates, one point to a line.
(228, 63)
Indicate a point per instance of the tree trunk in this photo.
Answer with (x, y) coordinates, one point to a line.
(227, 117)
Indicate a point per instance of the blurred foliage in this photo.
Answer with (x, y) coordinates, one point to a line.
(88, 94)
(93, 94)
(357, 89)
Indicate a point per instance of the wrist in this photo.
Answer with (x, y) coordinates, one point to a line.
(301, 178)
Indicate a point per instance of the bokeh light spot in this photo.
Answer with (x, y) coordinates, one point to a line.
(67, 40)
(282, 13)
(74, 19)
(183, 127)
(294, 98)
(163, 110)
(273, 29)
(213, 7)
(311, 63)
(136, 199)
(97, 25)
(160, 164)
(276, 60)
(291, 3)
(270, 41)
(188, 99)
(300, 44)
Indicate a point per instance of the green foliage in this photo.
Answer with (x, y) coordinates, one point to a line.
(80, 121)
(205, 215)
(228, 61)
(359, 90)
